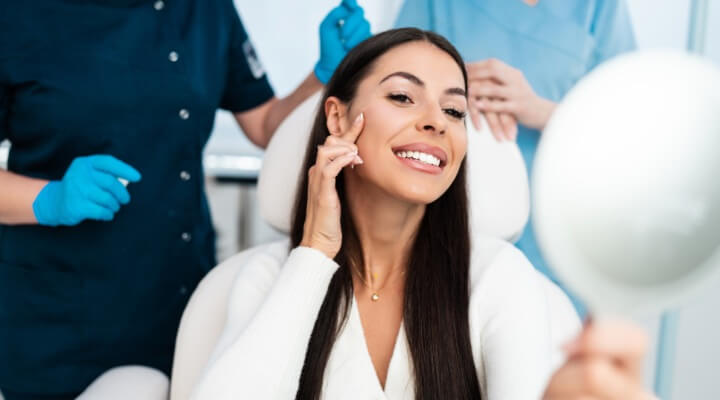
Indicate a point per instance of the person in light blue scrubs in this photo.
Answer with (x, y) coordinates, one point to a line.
(525, 56)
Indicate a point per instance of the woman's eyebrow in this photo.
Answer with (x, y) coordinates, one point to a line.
(414, 79)
(456, 90)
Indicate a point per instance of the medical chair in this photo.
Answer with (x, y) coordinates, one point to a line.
(499, 207)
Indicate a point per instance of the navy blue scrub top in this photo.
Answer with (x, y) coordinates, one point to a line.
(139, 80)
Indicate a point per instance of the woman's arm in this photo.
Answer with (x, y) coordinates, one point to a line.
(270, 319)
(17, 196)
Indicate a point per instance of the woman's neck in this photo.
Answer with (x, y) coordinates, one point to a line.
(386, 228)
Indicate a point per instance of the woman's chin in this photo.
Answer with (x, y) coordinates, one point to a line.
(417, 195)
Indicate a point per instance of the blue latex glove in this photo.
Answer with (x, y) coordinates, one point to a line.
(338, 38)
(89, 190)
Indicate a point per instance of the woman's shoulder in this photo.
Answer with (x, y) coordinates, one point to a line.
(262, 262)
(274, 252)
(498, 260)
(502, 279)
(500, 274)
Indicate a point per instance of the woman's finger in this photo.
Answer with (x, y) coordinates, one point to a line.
(619, 340)
(326, 154)
(330, 172)
(496, 106)
(488, 88)
(509, 125)
(355, 129)
(490, 69)
(333, 140)
(475, 117)
(493, 121)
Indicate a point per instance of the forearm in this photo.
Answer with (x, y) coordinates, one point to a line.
(281, 108)
(17, 195)
(265, 356)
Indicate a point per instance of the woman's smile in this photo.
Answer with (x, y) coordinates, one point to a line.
(422, 157)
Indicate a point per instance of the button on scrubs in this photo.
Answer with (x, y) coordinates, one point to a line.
(554, 43)
(139, 80)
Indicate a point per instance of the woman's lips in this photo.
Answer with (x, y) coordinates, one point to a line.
(419, 165)
(421, 157)
(423, 148)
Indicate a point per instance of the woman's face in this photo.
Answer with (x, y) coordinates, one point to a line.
(414, 138)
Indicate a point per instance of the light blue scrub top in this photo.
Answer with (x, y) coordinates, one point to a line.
(554, 43)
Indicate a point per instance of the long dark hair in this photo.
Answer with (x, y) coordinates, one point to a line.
(437, 289)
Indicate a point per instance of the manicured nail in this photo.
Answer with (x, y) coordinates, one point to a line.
(359, 118)
(358, 160)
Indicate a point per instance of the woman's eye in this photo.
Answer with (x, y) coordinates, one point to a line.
(400, 98)
(455, 113)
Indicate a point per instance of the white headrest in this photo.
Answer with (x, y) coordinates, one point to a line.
(497, 179)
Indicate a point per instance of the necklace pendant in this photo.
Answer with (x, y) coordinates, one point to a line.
(375, 297)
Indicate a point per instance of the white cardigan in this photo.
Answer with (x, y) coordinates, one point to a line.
(277, 296)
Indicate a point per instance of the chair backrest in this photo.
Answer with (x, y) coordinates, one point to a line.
(499, 206)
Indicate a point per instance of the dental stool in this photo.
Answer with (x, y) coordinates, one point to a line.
(499, 207)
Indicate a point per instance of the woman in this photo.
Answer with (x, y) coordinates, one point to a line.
(91, 93)
(524, 56)
(381, 292)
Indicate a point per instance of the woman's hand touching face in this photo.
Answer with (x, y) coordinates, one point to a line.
(322, 221)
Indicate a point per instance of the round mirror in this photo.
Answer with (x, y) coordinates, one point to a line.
(626, 183)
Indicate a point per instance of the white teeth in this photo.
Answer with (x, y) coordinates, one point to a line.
(422, 157)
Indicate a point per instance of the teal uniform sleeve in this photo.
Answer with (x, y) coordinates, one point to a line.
(416, 14)
(247, 85)
(612, 30)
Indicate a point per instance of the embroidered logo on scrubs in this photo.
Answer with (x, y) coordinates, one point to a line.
(252, 59)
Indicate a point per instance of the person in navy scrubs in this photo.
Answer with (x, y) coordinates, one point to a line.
(94, 96)
(525, 56)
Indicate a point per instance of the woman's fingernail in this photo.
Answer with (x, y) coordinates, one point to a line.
(359, 118)
(358, 160)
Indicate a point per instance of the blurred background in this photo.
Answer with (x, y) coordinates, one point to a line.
(232, 163)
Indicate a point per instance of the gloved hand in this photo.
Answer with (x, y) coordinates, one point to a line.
(89, 190)
(342, 29)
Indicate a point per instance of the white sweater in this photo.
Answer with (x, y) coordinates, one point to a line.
(517, 321)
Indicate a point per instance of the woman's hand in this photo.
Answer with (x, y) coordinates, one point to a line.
(604, 362)
(322, 221)
(496, 88)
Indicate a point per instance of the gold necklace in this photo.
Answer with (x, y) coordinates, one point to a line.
(375, 296)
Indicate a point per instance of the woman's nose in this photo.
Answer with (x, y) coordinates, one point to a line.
(432, 121)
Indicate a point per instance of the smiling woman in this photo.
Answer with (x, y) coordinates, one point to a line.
(381, 292)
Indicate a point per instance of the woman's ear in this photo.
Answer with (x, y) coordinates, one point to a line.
(335, 112)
